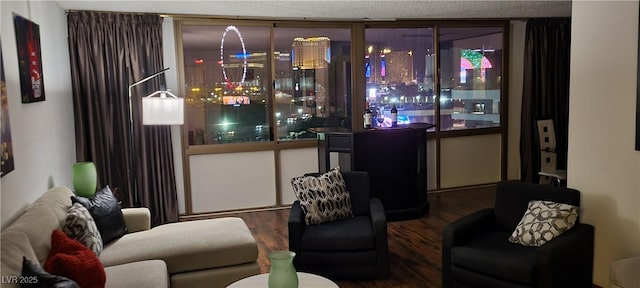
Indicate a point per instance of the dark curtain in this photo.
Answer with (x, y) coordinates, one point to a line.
(546, 90)
(108, 52)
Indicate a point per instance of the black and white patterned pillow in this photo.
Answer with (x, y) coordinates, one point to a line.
(79, 225)
(543, 221)
(323, 198)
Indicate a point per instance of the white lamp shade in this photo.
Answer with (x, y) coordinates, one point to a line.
(162, 111)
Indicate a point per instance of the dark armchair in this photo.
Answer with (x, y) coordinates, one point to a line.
(476, 251)
(354, 248)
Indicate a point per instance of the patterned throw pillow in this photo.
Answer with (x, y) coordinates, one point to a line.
(323, 198)
(79, 225)
(543, 221)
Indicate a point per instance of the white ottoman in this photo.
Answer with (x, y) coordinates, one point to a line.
(625, 273)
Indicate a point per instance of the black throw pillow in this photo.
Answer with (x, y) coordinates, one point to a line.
(105, 210)
(34, 276)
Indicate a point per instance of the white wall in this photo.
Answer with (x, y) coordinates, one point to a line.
(171, 76)
(42, 132)
(516, 76)
(602, 162)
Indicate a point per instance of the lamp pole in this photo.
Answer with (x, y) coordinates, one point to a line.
(132, 161)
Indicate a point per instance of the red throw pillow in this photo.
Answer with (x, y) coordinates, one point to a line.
(71, 259)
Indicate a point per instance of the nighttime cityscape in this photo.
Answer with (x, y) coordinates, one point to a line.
(227, 94)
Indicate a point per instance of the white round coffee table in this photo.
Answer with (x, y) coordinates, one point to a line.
(305, 280)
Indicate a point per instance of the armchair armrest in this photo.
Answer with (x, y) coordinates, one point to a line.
(458, 232)
(378, 217)
(296, 226)
(137, 219)
(567, 260)
(379, 222)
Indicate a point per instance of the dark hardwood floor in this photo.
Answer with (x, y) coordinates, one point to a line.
(414, 245)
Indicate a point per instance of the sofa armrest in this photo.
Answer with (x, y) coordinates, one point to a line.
(137, 219)
(567, 260)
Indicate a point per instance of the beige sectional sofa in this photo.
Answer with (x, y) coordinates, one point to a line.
(202, 253)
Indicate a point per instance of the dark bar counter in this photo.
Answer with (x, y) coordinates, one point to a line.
(395, 159)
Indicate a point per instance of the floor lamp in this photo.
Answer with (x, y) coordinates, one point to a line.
(158, 108)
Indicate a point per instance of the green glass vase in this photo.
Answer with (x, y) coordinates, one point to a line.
(85, 178)
(282, 274)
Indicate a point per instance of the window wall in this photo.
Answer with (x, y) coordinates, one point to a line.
(255, 89)
(233, 96)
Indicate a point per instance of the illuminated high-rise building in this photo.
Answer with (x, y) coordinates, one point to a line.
(310, 61)
(399, 66)
(311, 53)
(373, 63)
(429, 60)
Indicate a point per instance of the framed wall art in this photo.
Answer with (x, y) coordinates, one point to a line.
(29, 59)
(6, 147)
(638, 96)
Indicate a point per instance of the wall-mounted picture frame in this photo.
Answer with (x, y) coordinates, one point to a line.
(29, 59)
(638, 96)
(6, 147)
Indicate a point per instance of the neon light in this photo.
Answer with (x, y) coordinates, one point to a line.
(328, 55)
(242, 55)
(367, 70)
(472, 59)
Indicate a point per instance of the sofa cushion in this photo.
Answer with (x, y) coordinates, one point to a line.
(34, 276)
(141, 274)
(543, 221)
(106, 212)
(13, 247)
(71, 259)
(42, 217)
(624, 273)
(79, 225)
(354, 234)
(510, 261)
(187, 246)
(323, 198)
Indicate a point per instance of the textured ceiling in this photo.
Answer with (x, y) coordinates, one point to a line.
(337, 10)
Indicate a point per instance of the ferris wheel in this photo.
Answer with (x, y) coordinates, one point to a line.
(232, 72)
